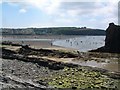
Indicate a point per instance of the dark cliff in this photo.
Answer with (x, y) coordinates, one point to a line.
(112, 40)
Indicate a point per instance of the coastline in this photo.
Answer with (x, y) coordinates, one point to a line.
(74, 42)
(48, 63)
(45, 44)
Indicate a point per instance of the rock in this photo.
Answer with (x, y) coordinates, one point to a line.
(60, 83)
(112, 40)
(25, 46)
(10, 43)
(74, 87)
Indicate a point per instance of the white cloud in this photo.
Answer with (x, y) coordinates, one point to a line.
(22, 11)
(66, 20)
(0, 1)
(70, 10)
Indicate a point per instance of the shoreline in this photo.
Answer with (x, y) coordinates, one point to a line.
(69, 41)
(86, 58)
(65, 50)
(30, 67)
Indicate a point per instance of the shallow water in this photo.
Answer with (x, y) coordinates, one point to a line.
(82, 43)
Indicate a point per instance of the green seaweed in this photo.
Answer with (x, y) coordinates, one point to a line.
(81, 78)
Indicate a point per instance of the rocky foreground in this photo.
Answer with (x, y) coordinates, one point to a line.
(25, 67)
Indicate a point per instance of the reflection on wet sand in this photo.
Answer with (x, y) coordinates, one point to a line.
(111, 66)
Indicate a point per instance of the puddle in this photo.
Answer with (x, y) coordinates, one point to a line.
(111, 65)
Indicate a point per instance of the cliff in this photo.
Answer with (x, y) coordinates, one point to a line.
(112, 40)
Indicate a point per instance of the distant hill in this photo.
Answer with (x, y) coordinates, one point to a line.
(53, 31)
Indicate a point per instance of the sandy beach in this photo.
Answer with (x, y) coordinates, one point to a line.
(45, 42)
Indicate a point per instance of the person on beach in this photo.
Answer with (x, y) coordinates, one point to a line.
(51, 44)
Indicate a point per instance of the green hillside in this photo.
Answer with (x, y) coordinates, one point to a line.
(53, 31)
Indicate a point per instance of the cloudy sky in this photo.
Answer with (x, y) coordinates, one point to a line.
(58, 13)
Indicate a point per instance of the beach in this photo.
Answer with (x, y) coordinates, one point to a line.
(58, 44)
(44, 41)
(44, 65)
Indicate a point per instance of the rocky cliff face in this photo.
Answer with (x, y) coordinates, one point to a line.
(112, 40)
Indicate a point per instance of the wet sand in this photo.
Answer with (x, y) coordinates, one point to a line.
(45, 42)
(81, 43)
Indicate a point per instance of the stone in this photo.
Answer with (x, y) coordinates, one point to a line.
(112, 40)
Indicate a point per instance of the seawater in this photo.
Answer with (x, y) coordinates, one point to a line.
(82, 43)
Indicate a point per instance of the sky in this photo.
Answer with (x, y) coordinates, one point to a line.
(58, 13)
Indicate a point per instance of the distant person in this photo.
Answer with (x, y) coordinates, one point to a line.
(71, 43)
(77, 43)
(51, 44)
(22, 42)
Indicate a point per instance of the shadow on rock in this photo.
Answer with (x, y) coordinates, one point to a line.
(112, 40)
